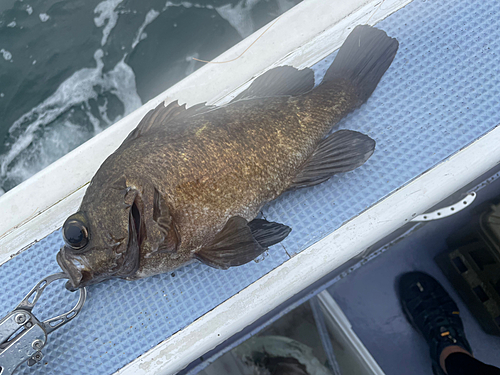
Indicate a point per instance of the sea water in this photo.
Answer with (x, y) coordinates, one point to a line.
(71, 68)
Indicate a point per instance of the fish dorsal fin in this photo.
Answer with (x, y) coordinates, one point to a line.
(340, 152)
(280, 81)
(162, 115)
(233, 246)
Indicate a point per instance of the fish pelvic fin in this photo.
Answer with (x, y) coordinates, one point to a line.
(340, 152)
(240, 242)
(363, 59)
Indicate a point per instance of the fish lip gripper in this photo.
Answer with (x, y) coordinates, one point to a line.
(22, 335)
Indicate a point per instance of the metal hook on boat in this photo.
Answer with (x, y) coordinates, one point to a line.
(22, 335)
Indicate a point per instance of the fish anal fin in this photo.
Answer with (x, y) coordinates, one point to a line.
(233, 246)
(279, 81)
(268, 233)
(340, 152)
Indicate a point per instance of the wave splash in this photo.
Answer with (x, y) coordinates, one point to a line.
(79, 109)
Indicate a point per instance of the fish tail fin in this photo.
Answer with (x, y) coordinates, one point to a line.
(363, 59)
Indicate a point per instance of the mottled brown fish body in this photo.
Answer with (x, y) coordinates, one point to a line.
(187, 184)
(230, 161)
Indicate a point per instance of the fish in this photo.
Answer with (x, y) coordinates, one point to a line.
(187, 184)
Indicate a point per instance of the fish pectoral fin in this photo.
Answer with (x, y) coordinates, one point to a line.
(268, 233)
(279, 81)
(340, 152)
(233, 246)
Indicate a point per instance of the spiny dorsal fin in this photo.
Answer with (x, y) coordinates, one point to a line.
(340, 152)
(162, 115)
(280, 81)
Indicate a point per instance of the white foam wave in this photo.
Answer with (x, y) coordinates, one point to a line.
(96, 124)
(44, 17)
(186, 4)
(141, 35)
(29, 9)
(12, 24)
(31, 151)
(121, 82)
(76, 89)
(57, 140)
(6, 54)
(106, 11)
(239, 16)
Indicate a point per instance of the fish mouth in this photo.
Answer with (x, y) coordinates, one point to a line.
(78, 271)
(77, 278)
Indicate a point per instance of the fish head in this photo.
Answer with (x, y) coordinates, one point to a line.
(103, 239)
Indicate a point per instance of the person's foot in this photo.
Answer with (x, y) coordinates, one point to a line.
(432, 312)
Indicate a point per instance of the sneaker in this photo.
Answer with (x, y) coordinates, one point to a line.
(432, 312)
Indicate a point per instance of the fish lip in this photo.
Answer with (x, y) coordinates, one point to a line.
(74, 274)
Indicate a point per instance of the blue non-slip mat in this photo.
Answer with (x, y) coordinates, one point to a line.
(441, 93)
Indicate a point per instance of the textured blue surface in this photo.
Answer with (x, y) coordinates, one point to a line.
(441, 93)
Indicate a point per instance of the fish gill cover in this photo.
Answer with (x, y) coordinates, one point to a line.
(69, 69)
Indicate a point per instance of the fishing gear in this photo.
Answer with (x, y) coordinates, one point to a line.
(23, 336)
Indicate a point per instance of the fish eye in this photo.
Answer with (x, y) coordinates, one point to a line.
(75, 233)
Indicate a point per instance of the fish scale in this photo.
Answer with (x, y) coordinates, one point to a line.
(260, 157)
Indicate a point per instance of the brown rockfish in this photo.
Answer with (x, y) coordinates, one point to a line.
(187, 183)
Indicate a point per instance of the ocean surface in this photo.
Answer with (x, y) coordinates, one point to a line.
(71, 68)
